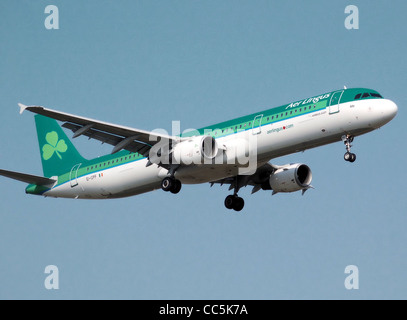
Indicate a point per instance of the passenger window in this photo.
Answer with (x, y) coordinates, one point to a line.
(291, 112)
(365, 95)
(358, 96)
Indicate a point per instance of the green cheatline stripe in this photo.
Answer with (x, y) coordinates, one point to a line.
(66, 177)
(347, 96)
(96, 165)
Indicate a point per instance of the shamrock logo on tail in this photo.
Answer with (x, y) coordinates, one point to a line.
(53, 146)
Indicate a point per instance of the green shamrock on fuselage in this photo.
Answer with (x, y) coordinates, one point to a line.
(53, 145)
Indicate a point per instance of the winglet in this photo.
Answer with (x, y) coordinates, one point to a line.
(22, 107)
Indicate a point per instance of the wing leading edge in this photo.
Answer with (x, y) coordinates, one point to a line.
(121, 137)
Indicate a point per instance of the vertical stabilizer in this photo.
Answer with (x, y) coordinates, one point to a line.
(58, 154)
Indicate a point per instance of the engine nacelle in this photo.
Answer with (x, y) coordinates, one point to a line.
(291, 178)
(196, 150)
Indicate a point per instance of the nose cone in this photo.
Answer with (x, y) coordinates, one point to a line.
(390, 110)
(386, 110)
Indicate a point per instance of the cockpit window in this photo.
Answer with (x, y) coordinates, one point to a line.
(367, 95)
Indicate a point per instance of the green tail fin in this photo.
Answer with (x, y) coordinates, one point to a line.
(58, 154)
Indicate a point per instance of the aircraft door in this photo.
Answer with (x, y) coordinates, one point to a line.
(257, 124)
(334, 102)
(73, 176)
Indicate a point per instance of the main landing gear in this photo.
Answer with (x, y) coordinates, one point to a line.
(233, 201)
(349, 156)
(171, 184)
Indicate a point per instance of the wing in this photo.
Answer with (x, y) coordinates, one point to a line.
(121, 137)
(28, 178)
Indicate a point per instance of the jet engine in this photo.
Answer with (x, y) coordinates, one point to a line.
(291, 178)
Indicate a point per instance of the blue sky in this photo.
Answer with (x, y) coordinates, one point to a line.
(146, 63)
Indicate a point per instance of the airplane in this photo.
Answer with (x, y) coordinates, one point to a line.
(235, 152)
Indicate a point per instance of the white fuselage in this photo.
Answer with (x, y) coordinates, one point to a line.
(273, 140)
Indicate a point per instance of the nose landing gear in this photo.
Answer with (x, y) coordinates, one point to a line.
(349, 156)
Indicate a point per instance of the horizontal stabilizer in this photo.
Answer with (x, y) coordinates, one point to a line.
(22, 107)
(28, 178)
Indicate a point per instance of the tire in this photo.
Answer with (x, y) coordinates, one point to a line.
(352, 157)
(176, 188)
(238, 204)
(229, 202)
(167, 184)
(347, 156)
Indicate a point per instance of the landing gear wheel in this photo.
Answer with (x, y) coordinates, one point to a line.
(229, 201)
(171, 184)
(234, 202)
(351, 157)
(167, 184)
(176, 188)
(238, 204)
